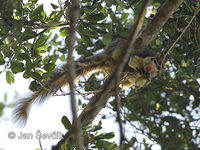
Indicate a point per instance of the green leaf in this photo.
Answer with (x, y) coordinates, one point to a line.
(34, 86)
(55, 15)
(79, 102)
(62, 58)
(108, 135)
(26, 74)
(6, 51)
(106, 145)
(158, 42)
(67, 124)
(36, 76)
(107, 39)
(63, 50)
(53, 43)
(46, 60)
(2, 61)
(9, 77)
(95, 128)
(53, 23)
(92, 84)
(17, 66)
(49, 67)
(37, 13)
(41, 40)
(42, 48)
(54, 6)
(104, 10)
(22, 56)
(64, 31)
(96, 17)
(3, 26)
(124, 16)
(86, 40)
(43, 16)
(1, 108)
(5, 97)
(28, 34)
(120, 3)
(28, 64)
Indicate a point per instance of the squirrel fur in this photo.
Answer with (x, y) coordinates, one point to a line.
(139, 72)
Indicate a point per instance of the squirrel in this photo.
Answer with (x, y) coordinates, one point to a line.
(139, 71)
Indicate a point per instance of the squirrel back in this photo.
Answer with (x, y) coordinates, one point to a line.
(83, 67)
(139, 71)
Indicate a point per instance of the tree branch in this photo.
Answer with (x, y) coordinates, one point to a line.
(171, 47)
(99, 101)
(152, 29)
(70, 40)
(131, 46)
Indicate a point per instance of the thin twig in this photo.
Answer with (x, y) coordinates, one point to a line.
(119, 120)
(79, 93)
(40, 144)
(99, 31)
(172, 46)
(152, 29)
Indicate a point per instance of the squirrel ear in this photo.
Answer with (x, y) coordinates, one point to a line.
(135, 62)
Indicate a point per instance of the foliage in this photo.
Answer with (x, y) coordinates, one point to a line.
(166, 111)
(92, 138)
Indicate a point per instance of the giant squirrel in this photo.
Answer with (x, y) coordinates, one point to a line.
(139, 71)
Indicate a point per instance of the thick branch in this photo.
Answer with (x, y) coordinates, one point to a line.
(152, 29)
(101, 98)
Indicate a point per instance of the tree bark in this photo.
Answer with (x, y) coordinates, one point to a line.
(152, 29)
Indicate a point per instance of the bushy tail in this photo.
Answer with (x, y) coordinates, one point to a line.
(23, 105)
(58, 80)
